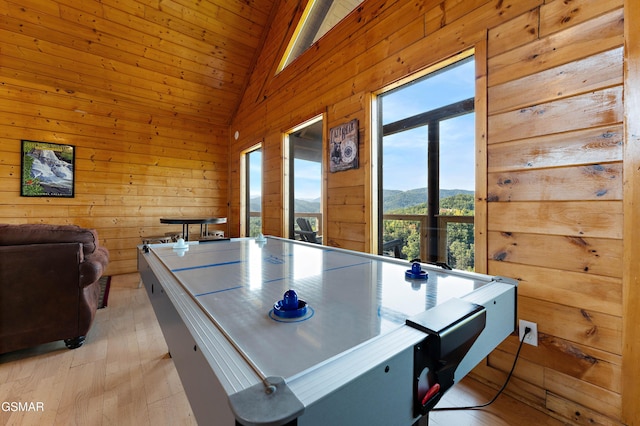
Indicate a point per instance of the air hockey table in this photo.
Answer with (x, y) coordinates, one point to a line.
(379, 342)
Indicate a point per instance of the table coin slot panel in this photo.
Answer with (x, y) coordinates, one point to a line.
(451, 328)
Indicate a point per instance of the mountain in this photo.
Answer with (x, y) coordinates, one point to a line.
(393, 199)
(255, 204)
(307, 206)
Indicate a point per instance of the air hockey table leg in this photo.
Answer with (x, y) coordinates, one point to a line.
(423, 421)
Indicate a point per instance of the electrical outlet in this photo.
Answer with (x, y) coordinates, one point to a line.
(532, 336)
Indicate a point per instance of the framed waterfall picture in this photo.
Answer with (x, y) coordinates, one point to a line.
(47, 170)
(343, 146)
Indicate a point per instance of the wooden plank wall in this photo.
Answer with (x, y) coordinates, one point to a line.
(631, 172)
(555, 202)
(136, 98)
(554, 170)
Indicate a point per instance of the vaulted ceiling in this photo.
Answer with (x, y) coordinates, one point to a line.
(222, 38)
(191, 58)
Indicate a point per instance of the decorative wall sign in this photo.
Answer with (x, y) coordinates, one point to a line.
(343, 143)
(47, 169)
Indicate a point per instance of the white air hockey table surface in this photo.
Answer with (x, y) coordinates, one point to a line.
(357, 310)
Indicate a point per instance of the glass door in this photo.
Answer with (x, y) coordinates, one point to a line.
(252, 197)
(305, 181)
(427, 167)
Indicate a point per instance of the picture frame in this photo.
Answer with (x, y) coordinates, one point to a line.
(343, 146)
(47, 169)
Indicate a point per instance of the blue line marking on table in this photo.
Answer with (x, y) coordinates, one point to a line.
(218, 291)
(368, 262)
(211, 265)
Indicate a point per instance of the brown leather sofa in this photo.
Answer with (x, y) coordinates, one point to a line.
(49, 286)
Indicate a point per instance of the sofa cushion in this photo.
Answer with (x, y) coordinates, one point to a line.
(44, 234)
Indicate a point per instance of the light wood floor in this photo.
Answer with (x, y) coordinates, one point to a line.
(123, 376)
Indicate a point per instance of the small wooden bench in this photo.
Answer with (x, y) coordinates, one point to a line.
(157, 239)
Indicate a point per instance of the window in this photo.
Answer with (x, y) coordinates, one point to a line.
(317, 19)
(427, 167)
(251, 193)
(305, 170)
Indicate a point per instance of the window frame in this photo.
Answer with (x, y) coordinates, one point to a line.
(245, 195)
(480, 110)
(315, 21)
(289, 174)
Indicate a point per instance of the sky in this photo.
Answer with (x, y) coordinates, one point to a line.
(405, 153)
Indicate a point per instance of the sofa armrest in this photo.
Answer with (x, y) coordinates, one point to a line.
(39, 294)
(93, 266)
(40, 233)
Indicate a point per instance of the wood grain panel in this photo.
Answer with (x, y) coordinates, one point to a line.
(585, 75)
(580, 147)
(585, 394)
(587, 291)
(345, 231)
(91, 80)
(348, 214)
(345, 195)
(597, 256)
(599, 219)
(631, 281)
(514, 33)
(168, 129)
(583, 326)
(577, 413)
(434, 18)
(595, 366)
(243, 23)
(599, 108)
(594, 36)
(456, 9)
(557, 15)
(594, 182)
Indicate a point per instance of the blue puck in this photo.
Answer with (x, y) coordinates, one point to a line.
(290, 306)
(416, 272)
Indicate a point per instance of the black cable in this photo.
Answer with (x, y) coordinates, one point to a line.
(527, 330)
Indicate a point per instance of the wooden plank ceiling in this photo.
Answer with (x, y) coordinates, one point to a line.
(219, 39)
(187, 57)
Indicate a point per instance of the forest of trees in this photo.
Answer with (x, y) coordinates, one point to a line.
(255, 226)
(460, 236)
